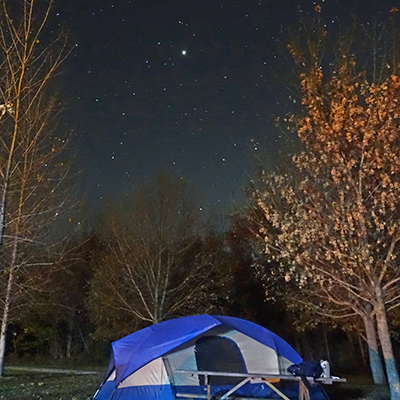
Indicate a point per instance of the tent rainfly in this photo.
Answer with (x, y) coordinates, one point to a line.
(167, 361)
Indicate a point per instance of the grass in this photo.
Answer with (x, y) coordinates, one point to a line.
(25, 385)
(348, 391)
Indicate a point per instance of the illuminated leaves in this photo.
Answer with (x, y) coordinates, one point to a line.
(333, 225)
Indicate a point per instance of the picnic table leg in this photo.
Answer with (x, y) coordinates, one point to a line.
(233, 390)
(275, 389)
(304, 393)
(206, 379)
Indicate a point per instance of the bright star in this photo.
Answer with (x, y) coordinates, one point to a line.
(184, 52)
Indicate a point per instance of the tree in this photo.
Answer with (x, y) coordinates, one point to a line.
(157, 262)
(59, 318)
(32, 166)
(335, 228)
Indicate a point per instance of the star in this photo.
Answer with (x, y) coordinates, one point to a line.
(184, 52)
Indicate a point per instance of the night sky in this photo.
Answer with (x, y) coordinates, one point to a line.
(188, 86)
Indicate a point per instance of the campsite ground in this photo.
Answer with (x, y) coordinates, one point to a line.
(356, 389)
(27, 383)
(44, 384)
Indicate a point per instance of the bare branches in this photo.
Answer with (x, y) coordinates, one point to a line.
(157, 261)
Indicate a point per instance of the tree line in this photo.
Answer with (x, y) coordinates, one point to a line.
(312, 254)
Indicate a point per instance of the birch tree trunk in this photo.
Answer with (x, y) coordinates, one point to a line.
(373, 350)
(7, 305)
(387, 349)
(4, 321)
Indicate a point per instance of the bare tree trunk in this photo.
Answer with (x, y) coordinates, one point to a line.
(374, 358)
(70, 334)
(384, 338)
(4, 321)
(362, 350)
(328, 353)
(307, 348)
(7, 305)
(83, 340)
(3, 211)
(69, 346)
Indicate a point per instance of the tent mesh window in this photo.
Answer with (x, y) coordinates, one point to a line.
(214, 353)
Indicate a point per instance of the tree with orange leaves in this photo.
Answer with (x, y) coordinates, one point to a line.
(335, 229)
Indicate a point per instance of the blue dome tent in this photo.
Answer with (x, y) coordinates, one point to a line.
(167, 361)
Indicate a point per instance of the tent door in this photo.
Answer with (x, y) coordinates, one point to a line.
(215, 353)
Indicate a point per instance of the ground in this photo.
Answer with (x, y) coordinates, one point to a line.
(39, 385)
